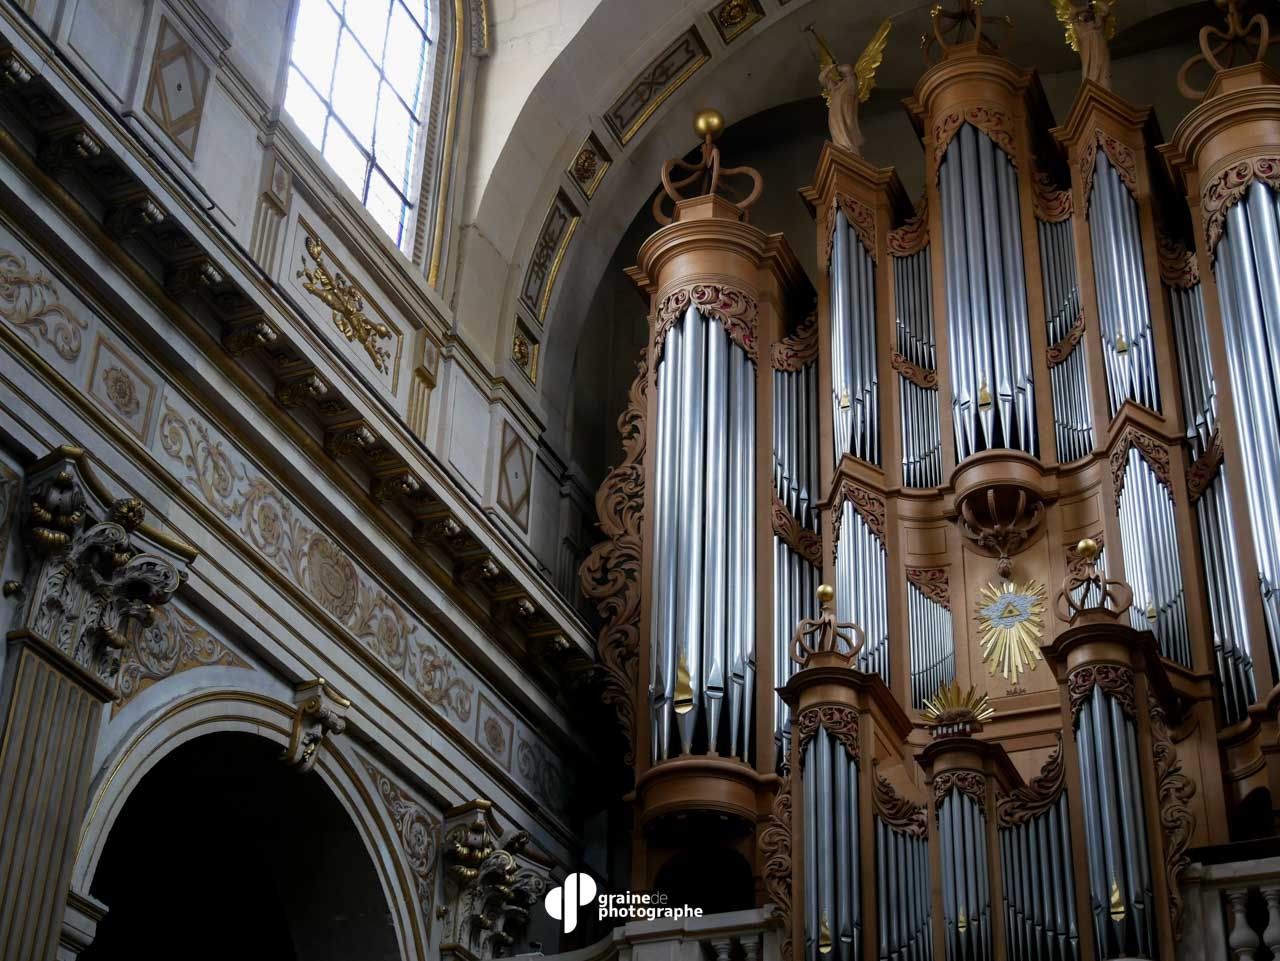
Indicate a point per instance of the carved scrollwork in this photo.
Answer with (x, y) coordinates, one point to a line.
(1177, 821)
(792, 353)
(1052, 204)
(870, 507)
(610, 575)
(800, 539)
(731, 306)
(29, 301)
(839, 722)
(1063, 348)
(1224, 191)
(1201, 474)
(173, 644)
(419, 835)
(1123, 160)
(1178, 265)
(1114, 679)
(897, 812)
(859, 216)
(920, 376)
(1025, 803)
(346, 305)
(933, 582)
(775, 849)
(972, 784)
(1153, 452)
(913, 235)
(996, 124)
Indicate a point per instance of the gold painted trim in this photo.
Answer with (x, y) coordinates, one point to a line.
(555, 268)
(451, 121)
(661, 98)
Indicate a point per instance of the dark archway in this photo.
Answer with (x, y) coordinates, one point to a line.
(224, 852)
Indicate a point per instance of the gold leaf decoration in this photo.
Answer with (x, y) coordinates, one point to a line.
(952, 704)
(333, 290)
(1011, 619)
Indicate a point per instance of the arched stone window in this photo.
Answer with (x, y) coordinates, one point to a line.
(358, 88)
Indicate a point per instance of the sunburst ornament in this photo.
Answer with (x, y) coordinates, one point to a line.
(1011, 618)
(953, 706)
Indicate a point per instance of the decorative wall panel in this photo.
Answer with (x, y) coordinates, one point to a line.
(668, 71)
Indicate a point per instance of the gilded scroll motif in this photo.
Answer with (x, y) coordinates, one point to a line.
(173, 644)
(610, 575)
(29, 301)
(419, 835)
(315, 563)
(1176, 818)
(333, 290)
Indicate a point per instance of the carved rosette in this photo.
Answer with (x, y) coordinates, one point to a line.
(972, 784)
(800, 539)
(859, 216)
(1114, 679)
(793, 352)
(1178, 265)
(1177, 821)
(869, 506)
(1227, 189)
(1051, 203)
(996, 124)
(1201, 474)
(1123, 160)
(775, 850)
(1153, 452)
(1025, 803)
(610, 575)
(920, 376)
(731, 306)
(897, 812)
(840, 722)
(913, 235)
(1063, 348)
(933, 582)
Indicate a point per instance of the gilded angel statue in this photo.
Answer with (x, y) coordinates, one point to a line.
(845, 86)
(1090, 25)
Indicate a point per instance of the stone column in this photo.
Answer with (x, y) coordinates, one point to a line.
(94, 575)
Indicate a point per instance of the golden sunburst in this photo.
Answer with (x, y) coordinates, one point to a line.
(953, 705)
(1011, 618)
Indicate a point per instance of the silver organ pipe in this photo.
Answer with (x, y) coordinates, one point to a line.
(833, 859)
(704, 531)
(933, 651)
(1232, 657)
(921, 437)
(1124, 312)
(795, 598)
(1148, 536)
(861, 589)
(1120, 888)
(855, 378)
(1068, 378)
(903, 895)
(1248, 275)
(993, 402)
(966, 892)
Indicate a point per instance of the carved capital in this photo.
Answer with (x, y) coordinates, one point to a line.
(320, 711)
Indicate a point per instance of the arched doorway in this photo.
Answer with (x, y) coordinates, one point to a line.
(222, 851)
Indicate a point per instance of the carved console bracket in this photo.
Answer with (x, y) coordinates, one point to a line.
(321, 711)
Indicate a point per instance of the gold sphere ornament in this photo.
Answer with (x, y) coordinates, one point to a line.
(1087, 548)
(826, 593)
(708, 123)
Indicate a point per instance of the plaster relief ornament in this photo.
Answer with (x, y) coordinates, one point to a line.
(845, 87)
(1011, 618)
(1090, 25)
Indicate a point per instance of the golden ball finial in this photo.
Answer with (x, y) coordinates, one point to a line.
(826, 593)
(1087, 548)
(708, 122)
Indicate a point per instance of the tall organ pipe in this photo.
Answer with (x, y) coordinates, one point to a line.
(1068, 379)
(1040, 908)
(992, 394)
(1123, 308)
(860, 589)
(1233, 658)
(855, 378)
(795, 598)
(921, 439)
(966, 908)
(1248, 274)
(933, 661)
(704, 542)
(1148, 534)
(833, 855)
(903, 895)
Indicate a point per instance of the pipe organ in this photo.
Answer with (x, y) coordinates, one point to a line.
(977, 739)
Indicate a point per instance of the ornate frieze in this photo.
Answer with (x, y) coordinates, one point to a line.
(610, 575)
(996, 124)
(859, 216)
(1179, 267)
(1224, 191)
(731, 306)
(173, 644)
(1177, 822)
(418, 832)
(491, 884)
(30, 302)
(922, 377)
(933, 582)
(1114, 679)
(870, 507)
(320, 712)
(839, 722)
(794, 351)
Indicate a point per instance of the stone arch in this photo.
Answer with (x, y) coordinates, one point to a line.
(254, 713)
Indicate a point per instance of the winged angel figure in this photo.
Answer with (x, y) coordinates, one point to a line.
(1090, 25)
(845, 86)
